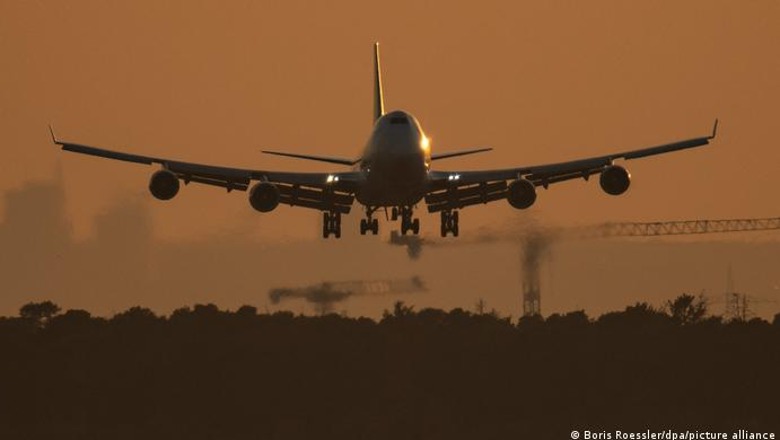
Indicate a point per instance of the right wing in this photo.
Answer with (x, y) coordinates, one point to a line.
(321, 191)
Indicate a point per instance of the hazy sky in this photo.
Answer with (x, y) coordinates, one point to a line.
(539, 81)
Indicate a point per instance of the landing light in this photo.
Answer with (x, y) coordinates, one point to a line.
(425, 143)
(331, 178)
(452, 177)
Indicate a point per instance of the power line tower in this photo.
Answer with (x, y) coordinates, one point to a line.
(532, 298)
(536, 244)
(736, 303)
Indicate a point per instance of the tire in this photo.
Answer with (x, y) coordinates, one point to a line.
(416, 226)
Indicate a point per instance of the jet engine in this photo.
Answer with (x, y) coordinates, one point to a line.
(164, 185)
(264, 197)
(521, 193)
(615, 180)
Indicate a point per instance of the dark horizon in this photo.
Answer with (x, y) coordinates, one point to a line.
(206, 373)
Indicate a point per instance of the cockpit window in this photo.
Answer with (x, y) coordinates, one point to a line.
(400, 120)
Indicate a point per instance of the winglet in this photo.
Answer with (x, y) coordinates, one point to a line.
(714, 130)
(53, 136)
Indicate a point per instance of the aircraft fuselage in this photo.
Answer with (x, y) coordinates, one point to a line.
(395, 162)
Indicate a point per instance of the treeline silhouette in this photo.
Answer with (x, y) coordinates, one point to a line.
(205, 373)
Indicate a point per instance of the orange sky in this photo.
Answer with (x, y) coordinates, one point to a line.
(539, 81)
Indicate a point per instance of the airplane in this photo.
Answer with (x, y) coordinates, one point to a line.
(394, 171)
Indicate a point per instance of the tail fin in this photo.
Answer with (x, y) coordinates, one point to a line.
(379, 100)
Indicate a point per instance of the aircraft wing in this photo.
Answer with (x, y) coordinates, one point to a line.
(310, 190)
(483, 186)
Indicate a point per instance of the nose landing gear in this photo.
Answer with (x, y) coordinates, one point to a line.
(369, 224)
(449, 223)
(331, 224)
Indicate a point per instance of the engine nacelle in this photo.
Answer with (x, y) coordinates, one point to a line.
(164, 185)
(521, 193)
(615, 180)
(264, 196)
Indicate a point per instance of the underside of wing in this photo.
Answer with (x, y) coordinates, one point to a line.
(322, 191)
(458, 189)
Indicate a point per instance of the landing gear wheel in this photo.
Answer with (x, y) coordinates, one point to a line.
(369, 223)
(449, 223)
(394, 213)
(331, 224)
(408, 223)
(445, 221)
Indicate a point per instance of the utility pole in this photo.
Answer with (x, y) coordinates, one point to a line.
(536, 244)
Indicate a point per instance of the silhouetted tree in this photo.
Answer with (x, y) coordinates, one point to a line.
(571, 320)
(530, 322)
(73, 316)
(247, 311)
(400, 310)
(205, 373)
(39, 313)
(687, 309)
(138, 314)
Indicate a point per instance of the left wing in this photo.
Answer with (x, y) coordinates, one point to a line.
(321, 191)
(456, 189)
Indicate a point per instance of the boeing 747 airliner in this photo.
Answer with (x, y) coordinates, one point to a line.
(394, 171)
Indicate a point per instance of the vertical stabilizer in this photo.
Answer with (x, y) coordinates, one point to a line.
(379, 99)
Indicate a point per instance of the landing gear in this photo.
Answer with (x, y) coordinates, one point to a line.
(331, 224)
(408, 223)
(449, 223)
(369, 223)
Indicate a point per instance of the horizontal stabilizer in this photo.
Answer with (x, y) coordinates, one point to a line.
(458, 153)
(336, 160)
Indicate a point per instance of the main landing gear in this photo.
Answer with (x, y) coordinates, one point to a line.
(449, 223)
(408, 222)
(331, 224)
(369, 223)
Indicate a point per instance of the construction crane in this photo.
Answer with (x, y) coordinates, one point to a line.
(326, 294)
(685, 227)
(535, 241)
(531, 251)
